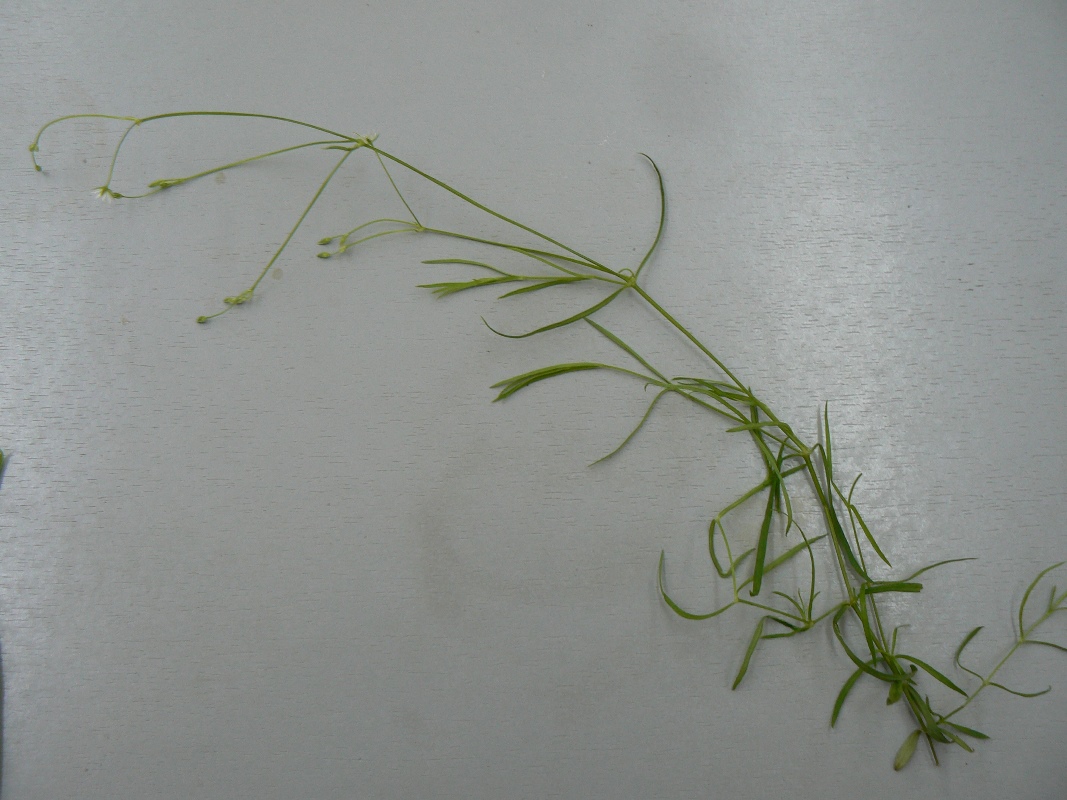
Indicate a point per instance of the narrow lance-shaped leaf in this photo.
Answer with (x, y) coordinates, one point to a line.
(907, 750)
(615, 340)
(562, 323)
(753, 426)
(959, 651)
(837, 533)
(633, 433)
(881, 587)
(792, 601)
(446, 288)
(514, 384)
(778, 561)
(855, 516)
(761, 544)
(843, 694)
(1002, 687)
(827, 449)
(466, 262)
(935, 565)
(1029, 591)
(717, 389)
(855, 659)
(929, 721)
(737, 562)
(757, 634)
(1055, 602)
(662, 216)
(863, 615)
(957, 740)
(934, 674)
(677, 609)
(541, 283)
(962, 729)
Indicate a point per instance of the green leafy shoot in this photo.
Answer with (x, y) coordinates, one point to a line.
(837, 586)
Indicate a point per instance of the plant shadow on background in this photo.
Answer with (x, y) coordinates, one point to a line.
(847, 599)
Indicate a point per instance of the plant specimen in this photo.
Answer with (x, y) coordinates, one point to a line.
(846, 600)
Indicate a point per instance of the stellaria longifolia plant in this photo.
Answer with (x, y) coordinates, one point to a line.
(853, 614)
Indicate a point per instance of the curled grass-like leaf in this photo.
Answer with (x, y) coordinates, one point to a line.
(959, 651)
(662, 216)
(677, 609)
(1018, 693)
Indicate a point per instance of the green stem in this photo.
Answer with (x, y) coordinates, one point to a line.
(540, 255)
(584, 259)
(247, 293)
(166, 183)
(988, 680)
(685, 332)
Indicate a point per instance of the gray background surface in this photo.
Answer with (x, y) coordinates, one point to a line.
(298, 553)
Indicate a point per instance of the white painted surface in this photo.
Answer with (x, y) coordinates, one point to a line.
(298, 553)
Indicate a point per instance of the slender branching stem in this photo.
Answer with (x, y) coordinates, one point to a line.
(852, 592)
